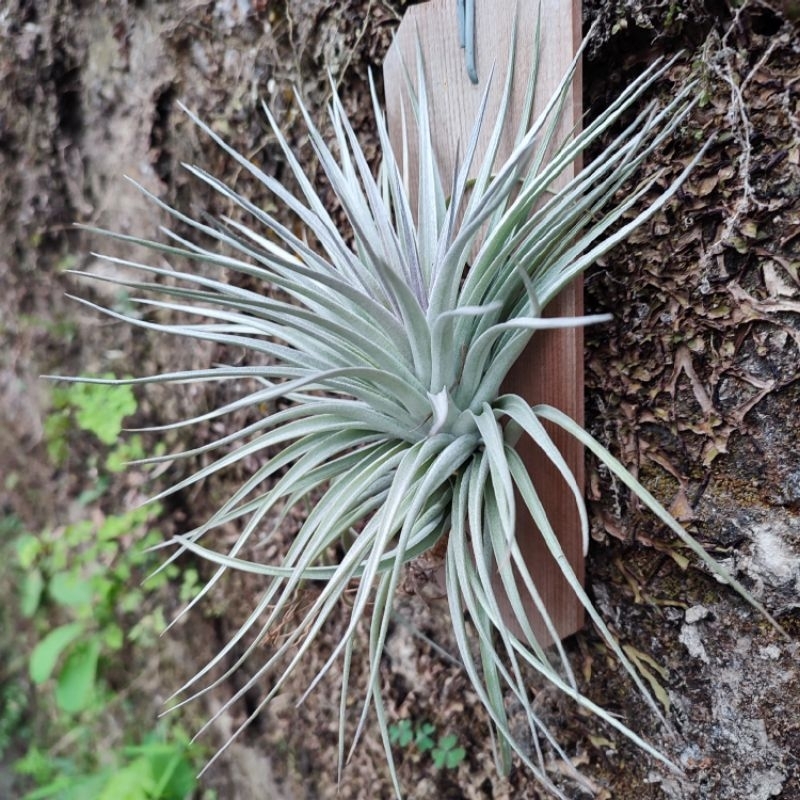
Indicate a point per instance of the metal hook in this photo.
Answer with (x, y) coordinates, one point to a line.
(465, 15)
(460, 12)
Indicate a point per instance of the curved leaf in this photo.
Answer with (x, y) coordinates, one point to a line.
(48, 650)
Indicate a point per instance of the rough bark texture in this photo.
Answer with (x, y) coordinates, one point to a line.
(694, 385)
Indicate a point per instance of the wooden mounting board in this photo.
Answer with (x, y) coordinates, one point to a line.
(551, 370)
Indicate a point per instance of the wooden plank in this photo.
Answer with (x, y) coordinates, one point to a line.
(551, 370)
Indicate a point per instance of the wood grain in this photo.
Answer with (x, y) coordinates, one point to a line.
(551, 370)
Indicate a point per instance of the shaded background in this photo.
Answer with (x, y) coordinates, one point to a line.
(694, 384)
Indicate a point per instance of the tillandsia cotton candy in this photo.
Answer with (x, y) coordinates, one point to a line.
(389, 342)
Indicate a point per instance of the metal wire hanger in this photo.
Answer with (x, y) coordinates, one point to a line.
(465, 13)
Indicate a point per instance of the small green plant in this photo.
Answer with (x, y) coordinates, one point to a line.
(87, 573)
(388, 345)
(423, 737)
(446, 753)
(85, 594)
(403, 733)
(162, 767)
(97, 409)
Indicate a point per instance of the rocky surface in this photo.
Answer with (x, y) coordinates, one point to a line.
(694, 385)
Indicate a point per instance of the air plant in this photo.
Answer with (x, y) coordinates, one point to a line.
(388, 343)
